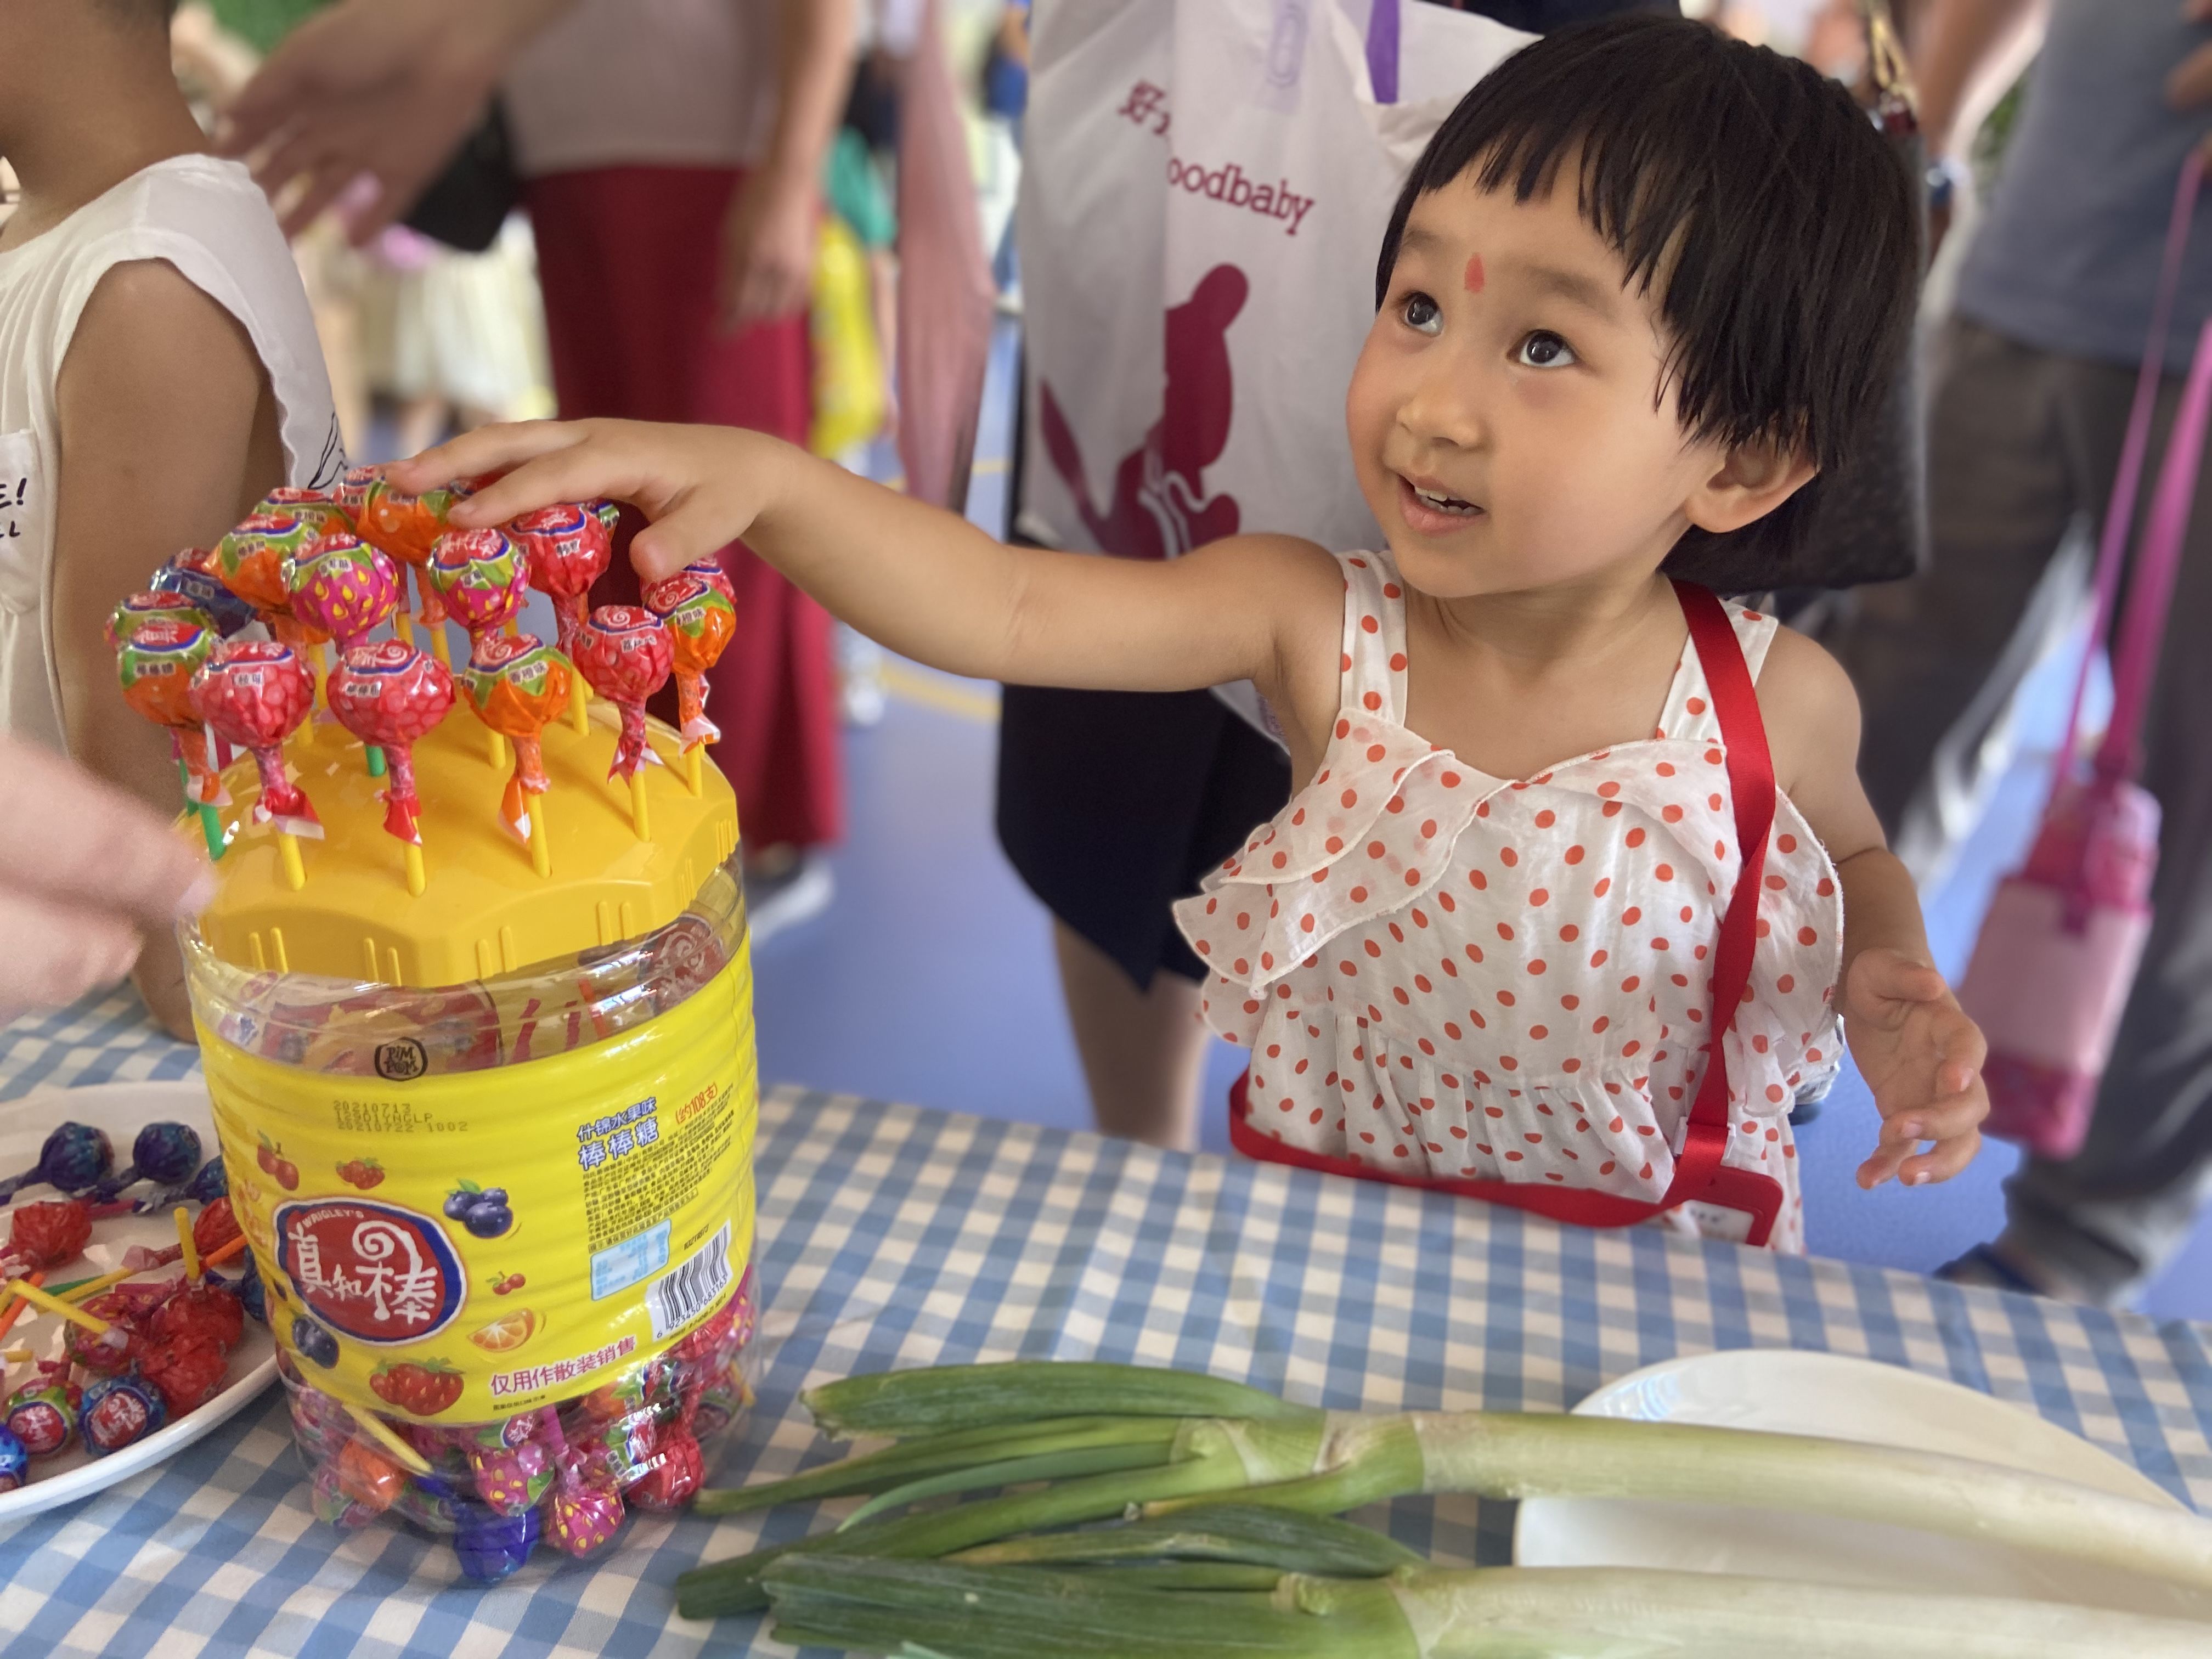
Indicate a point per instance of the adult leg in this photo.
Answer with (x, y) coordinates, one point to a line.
(1936, 659)
(2097, 1226)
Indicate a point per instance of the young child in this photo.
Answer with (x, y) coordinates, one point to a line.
(159, 373)
(1630, 298)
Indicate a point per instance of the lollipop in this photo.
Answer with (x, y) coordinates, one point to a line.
(583, 1516)
(482, 577)
(14, 1461)
(351, 493)
(343, 586)
(367, 1476)
(191, 577)
(255, 694)
(320, 508)
(72, 1158)
(332, 1503)
(251, 563)
(119, 1410)
(155, 665)
(187, 1374)
(511, 1481)
(699, 620)
(118, 1346)
(42, 1413)
(491, 1545)
(569, 547)
(407, 527)
(516, 685)
(46, 1234)
(152, 606)
(710, 572)
(626, 654)
(392, 695)
(204, 1187)
(167, 1152)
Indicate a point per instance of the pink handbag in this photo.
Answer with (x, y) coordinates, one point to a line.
(2058, 951)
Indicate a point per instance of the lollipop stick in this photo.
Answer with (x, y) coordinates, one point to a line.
(54, 1304)
(223, 1253)
(514, 627)
(415, 878)
(322, 691)
(15, 1312)
(501, 760)
(375, 756)
(638, 819)
(694, 775)
(541, 852)
(407, 1455)
(85, 1289)
(404, 626)
(192, 1251)
(211, 830)
(288, 850)
(578, 718)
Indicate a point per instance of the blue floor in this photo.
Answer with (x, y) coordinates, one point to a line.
(931, 978)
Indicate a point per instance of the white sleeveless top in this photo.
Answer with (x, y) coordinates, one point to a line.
(209, 219)
(1444, 974)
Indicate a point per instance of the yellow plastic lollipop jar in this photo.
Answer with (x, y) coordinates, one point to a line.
(504, 1222)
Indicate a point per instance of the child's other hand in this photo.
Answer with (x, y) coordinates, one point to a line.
(702, 486)
(1923, 1058)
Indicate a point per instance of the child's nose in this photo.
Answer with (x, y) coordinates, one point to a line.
(1445, 405)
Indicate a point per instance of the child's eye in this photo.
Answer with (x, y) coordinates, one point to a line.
(1544, 349)
(1422, 314)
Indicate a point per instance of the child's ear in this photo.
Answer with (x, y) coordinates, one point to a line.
(1752, 481)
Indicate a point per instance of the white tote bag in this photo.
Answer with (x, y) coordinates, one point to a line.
(1206, 188)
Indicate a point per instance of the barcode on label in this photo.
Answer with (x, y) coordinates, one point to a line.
(690, 1287)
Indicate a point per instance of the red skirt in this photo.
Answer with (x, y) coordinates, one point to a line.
(628, 258)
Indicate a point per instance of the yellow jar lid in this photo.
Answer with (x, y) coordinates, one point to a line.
(484, 909)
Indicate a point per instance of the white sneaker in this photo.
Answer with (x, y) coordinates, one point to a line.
(781, 893)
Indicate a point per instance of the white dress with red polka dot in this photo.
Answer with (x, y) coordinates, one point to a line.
(1450, 976)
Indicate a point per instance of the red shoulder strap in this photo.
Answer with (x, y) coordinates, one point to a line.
(1698, 1172)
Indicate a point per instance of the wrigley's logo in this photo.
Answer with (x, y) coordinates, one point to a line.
(1147, 106)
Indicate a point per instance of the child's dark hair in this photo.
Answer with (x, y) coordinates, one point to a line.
(1783, 231)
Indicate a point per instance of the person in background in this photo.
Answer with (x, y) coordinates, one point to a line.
(2036, 369)
(159, 373)
(1111, 805)
(671, 154)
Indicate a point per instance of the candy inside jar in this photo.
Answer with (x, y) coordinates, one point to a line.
(567, 1474)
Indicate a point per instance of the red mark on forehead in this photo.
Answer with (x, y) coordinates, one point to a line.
(1473, 278)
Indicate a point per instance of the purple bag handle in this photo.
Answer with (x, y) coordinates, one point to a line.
(1382, 51)
(2137, 654)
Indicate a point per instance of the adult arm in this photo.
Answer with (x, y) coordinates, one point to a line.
(385, 87)
(168, 437)
(1965, 54)
(767, 252)
(1916, 1050)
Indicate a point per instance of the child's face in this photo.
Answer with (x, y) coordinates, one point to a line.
(1513, 378)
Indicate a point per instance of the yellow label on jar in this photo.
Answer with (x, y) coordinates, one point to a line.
(460, 1247)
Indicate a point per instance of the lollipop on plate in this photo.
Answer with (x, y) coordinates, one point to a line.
(699, 620)
(254, 693)
(625, 653)
(72, 1160)
(167, 1152)
(392, 695)
(119, 1410)
(516, 686)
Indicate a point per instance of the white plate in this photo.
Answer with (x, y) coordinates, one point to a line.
(122, 1110)
(1783, 1392)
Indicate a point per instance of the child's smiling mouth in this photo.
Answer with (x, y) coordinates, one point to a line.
(1428, 509)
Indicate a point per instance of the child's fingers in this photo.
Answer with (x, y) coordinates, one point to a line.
(487, 449)
(1887, 1159)
(686, 533)
(1941, 1120)
(1945, 1159)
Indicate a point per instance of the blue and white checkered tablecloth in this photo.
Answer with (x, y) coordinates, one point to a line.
(896, 1236)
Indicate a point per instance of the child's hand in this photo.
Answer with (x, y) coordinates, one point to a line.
(1923, 1058)
(703, 486)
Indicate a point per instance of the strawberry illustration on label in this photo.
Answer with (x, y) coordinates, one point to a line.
(421, 1389)
(361, 1172)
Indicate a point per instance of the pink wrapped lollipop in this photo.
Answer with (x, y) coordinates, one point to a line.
(625, 653)
(699, 620)
(254, 693)
(392, 695)
(343, 586)
(516, 686)
(584, 1516)
(569, 549)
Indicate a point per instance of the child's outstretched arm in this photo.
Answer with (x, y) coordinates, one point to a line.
(924, 582)
(1914, 1045)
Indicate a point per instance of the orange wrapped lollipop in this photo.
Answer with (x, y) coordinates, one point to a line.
(700, 621)
(516, 684)
(406, 528)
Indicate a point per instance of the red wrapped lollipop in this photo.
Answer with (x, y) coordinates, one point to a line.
(484, 579)
(700, 621)
(568, 548)
(343, 586)
(516, 685)
(391, 695)
(625, 653)
(710, 572)
(255, 694)
(46, 1234)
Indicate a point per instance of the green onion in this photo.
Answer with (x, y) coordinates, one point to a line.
(1284, 1541)
(954, 1612)
(1297, 1458)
